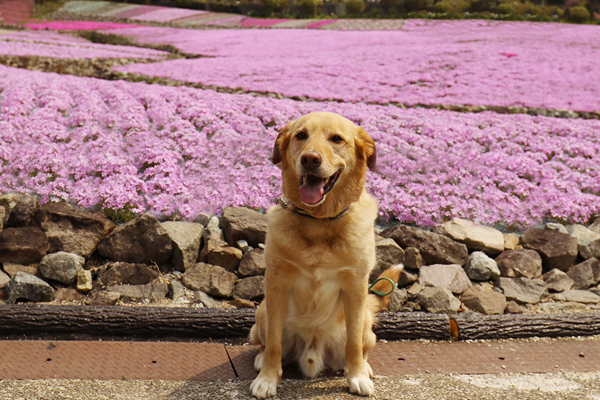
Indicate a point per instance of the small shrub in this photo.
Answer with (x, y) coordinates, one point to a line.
(355, 6)
(532, 9)
(450, 6)
(555, 10)
(505, 8)
(417, 5)
(309, 7)
(479, 6)
(579, 14)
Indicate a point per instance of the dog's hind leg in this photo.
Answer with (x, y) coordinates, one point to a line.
(311, 360)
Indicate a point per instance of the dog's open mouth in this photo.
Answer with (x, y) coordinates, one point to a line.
(313, 189)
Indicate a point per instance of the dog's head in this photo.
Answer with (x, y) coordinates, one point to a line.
(324, 158)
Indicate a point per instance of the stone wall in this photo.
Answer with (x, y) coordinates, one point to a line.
(57, 253)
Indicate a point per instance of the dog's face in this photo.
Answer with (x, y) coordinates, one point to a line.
(323, 155)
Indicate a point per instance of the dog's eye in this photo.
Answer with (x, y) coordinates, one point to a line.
(301, 135)
(337, 139)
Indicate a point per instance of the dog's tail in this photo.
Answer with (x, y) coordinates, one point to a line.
(381, 292)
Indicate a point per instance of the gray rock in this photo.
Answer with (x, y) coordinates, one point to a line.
(68, 294)
(22, 245)
(561, 307)
(72, 230)
(216, 251)
(211, 279)
(434, 248)
(253, 263)
(481, 267)
(8, 202)
(438, 300)
(520, 262)
(243, 246)
(451, 277)
(553, 226)
(511, 241)
(595, 227)
(226, 256)
(84, 280)
(11, 269)
(176, 289)
(240, 223)
(578, 296)
(204, 299)
(203, 219)
(142, 240)
(558, 250)
(484, 300)
(523, 290)
(156, 290)
(407, 278)
(588, 241)
(61, 267)
(515, 308)
(186, 237)
(397, 300)
(413, 258)
(252, 288)
(476, 237)
(388, 251)
(22, 213)
(4, 279)
(584, 274)
(558, 281)
(28, 287)
(103, 298)
(120, 273)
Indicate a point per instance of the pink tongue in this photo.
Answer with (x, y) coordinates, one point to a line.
(312, 190)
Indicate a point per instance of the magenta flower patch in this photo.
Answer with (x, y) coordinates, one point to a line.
(525, 64)
(181, 151)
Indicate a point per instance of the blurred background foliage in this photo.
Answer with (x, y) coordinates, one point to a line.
(576, 11)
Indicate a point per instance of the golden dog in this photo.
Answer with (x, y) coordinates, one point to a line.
(320, 249)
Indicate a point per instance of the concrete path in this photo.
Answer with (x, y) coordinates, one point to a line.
(509, 369)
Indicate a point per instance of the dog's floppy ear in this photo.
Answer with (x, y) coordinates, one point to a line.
(366, 146)
(281, 143)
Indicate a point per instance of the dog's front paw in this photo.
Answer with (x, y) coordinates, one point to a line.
(264, 386)
(361, 383)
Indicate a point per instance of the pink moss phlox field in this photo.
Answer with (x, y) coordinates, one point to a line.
(166, 14)
(449, 62)
(56, 45)
(77, 25)
(261, 22)
(320, 23)
(177, 150)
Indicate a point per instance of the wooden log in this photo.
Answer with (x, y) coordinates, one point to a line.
(410, 326)
(192, 323)
(181, 322)
(143, 322)
(506, 326)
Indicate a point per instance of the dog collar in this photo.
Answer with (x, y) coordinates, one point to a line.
(288, 205)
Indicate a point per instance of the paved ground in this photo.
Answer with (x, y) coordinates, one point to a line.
(567, 386)
(509, 369)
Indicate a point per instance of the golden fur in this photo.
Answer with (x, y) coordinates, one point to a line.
(316, 309)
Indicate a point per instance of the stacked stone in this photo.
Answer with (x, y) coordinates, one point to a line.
(57, 252)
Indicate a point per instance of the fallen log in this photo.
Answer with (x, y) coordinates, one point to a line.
(192, 323)
(513, 326)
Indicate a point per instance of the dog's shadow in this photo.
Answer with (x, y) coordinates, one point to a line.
(292, 385)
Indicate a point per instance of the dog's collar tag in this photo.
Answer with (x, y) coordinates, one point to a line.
(287, 205)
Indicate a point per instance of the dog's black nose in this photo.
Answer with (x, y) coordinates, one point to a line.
(311, 160)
